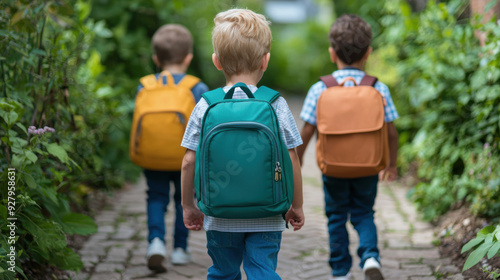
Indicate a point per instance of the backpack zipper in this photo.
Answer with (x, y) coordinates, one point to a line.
(242, 124)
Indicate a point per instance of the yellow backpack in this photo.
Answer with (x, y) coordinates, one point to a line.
(160, 117)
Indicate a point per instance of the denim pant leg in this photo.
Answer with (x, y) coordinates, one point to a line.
(261, 255)
(157, 200)
(337, 200)
(226, 250)
(181, 233)
(363, 193)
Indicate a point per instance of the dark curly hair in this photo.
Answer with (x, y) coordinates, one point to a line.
(350, 36)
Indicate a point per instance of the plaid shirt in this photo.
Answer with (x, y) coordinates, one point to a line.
(308, 113)
(290, 135)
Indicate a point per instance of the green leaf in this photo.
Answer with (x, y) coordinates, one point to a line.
(66, 259)
(494, 250)
(471, 244)
(3, 211)
(486, 230)
(31, 156)
(490, 5)
(46, 234)
(21, 126)
(57, 151)
(74, 223)
(10, 117)
(477, 255)
(17, 142)
(29, 180)
(18, 160)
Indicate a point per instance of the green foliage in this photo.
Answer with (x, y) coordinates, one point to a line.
(299, 52)
(449, 100)
(486, 243)
(49, 79)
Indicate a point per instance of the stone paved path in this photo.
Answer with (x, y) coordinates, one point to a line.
(117, 251)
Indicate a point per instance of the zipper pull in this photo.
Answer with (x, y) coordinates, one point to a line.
(276, 171)
(278, 166)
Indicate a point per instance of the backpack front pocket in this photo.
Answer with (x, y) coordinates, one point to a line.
(235, 154)
(159, 135)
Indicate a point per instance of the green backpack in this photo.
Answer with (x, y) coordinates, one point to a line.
(243, 169)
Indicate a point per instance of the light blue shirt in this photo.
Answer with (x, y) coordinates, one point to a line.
(308, 113)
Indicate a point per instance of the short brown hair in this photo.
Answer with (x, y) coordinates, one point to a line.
(171, 44)
(350, 37)
(240, 39)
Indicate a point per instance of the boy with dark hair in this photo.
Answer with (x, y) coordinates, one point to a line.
(351, 198)
(172, 52)
(241, 41)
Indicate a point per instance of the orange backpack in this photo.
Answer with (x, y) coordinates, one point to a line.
(160, 117)
(352, 134)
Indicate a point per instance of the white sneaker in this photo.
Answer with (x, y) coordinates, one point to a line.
(180, 256)
(155, 255)
(371, 269)
(347, 277)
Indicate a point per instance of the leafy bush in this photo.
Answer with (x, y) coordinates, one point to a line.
(448, 95)
(49, 79)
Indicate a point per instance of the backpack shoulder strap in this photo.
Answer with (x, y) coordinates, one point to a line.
(149, 81)
(188, 81)
(368, 80)
(267, 94)
(329, 81)
(214, 96)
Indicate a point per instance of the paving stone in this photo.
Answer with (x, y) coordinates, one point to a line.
(92, 251)
(89, 261)
(455, 277)
(447, 269)
(109, 267)
(78, 275)
(106, 276)
(105, 229)
(123, 233)
(137, 260)
(136, 272)
(410, 254)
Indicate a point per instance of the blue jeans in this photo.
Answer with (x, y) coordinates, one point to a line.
(257, 250)
(158, 200)
(350, 199)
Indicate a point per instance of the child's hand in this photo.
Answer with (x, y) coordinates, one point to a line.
(295, 216)
(389, 174)
(193, 218)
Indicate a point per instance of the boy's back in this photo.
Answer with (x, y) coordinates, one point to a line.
(241, 41)
(163, 105)
(288, 132)
(348, 196)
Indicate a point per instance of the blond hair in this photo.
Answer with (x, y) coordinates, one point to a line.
(171, 44)
(240, 39)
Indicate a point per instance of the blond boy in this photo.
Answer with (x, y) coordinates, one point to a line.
(241, 41)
